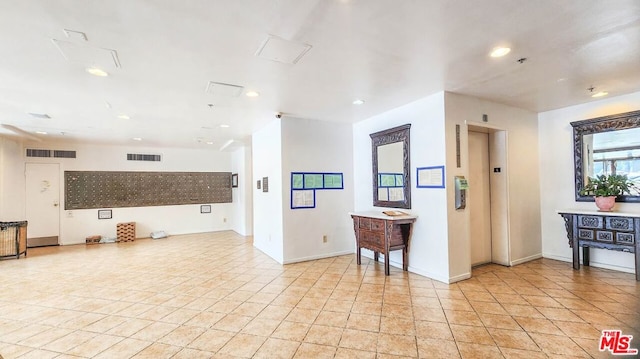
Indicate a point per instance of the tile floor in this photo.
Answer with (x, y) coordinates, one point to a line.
(214, 296)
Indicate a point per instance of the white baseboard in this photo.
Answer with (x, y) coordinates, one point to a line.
(460, 277)
(591, 263)
(526, 259)
(430, 275)
(435, 276)
(320, 256)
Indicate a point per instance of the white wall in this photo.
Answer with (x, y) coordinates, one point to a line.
(557, 180)
(317, 146)
(268, 233)
(428, 251)
(76, 225)
(242, 208)
(11, 181)
(522, 174)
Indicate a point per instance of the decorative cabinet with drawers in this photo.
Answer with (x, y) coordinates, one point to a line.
(382, 234)
(609, 230)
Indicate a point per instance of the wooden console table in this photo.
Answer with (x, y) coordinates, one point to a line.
(381, 234)
(617, 231)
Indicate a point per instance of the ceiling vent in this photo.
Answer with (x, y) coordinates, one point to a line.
(143, 157)
(222, 89)
(36, 152)
(277, 49)
(64, 154)
(32, 152)
(87, 55)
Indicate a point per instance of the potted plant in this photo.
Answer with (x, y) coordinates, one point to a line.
(605, 189)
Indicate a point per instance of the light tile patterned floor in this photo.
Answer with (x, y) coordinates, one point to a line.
(215, 296)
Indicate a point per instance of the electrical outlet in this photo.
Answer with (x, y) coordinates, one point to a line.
(224, 220)
(324, 239)
(69, 214)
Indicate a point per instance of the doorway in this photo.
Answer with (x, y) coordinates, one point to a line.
(42, 204)
(487, 196)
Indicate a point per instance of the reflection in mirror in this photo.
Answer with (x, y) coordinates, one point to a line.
(607, 145)
(390, 172)
(615, 152)
(390, 156)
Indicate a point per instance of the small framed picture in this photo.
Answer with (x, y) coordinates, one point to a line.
(104, 214)
(258, 186)
(234, 180)
(205, 208)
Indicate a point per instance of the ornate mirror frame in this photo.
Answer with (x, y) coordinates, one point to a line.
(621, 121)
(392, 135)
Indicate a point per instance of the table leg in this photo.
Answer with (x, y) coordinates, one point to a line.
(576, 254)
(585, 256)
(637, 260)
(376, 256)
(386, 262)
(358, 255)
(405, 259)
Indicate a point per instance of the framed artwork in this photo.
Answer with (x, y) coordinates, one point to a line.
(430, 177)
(205, 208)
(104, 214)
(234, 180)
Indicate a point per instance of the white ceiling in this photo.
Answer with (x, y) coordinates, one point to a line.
(386, 52)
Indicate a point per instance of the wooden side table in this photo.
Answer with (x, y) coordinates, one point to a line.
(381, 234)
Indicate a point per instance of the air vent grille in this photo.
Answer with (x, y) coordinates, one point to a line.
(143, 157)
(32, 152)
(64, 154)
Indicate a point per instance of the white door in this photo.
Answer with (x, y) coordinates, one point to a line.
(479, 198)
(43, 203)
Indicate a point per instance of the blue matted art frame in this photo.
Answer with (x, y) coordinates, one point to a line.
(313, 181)
(430, 168)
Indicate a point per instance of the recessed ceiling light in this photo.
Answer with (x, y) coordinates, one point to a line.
(358, 102)
(124, 117)
(500, 51)
(97, 72)
(41, 132)
(224, 126)
(252, 94)
(209, 143)
(600, 94)
(137, 139)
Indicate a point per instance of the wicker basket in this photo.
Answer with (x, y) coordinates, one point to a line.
(126, 232)
(13, 239)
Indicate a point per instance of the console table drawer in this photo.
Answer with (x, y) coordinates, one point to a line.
(364, 222)
(604, 236)
(625, 238)
(619, 223)
(586, 234)
(377, 225)
(372, 238)
(590, 221)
